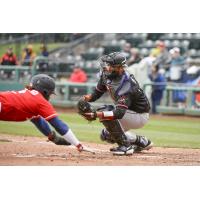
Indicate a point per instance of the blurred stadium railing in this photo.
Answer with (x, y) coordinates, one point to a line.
(67, 94)
(169, 106)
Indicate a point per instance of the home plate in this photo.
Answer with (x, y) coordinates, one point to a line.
(24, 155)
(147, 156)
(58, 156)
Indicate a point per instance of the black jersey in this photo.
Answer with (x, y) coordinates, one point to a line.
(125, 92)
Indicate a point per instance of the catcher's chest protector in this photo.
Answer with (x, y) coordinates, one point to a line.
(118, 87)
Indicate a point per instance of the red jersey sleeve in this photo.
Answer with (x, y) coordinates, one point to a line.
(46, 110)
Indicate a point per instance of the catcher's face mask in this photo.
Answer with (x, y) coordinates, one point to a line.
(110, 65)
(109, 71)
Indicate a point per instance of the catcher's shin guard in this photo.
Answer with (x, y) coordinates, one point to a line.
(106, 136)
(116, 132)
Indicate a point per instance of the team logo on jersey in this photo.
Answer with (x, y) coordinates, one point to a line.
(122, 100)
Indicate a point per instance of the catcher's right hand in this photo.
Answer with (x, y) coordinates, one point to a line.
(86, 110)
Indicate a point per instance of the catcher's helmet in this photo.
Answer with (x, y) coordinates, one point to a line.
(44, 84)
(114, 59)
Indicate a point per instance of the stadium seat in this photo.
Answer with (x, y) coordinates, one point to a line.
(188, 36)
(149, 44)
(144, 52)
(192, 53)
(175, 43)
(194, 44)
(65, 67)
(168, 43)
(93, 53)
(197, 36)
(185, 43)
(52, 67)
(109, 37)
(172, 36)
(77, 58)
(111, 48)
(75, 92)
(90, 56)
(80, 63)
(135, 42)
(180, 36)
(91, 67)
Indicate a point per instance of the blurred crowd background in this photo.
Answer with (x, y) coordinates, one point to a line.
(158, 61)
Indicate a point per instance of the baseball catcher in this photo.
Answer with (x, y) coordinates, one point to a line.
(33, 103)
(129, 111)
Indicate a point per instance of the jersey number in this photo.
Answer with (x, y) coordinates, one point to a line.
(33, 92)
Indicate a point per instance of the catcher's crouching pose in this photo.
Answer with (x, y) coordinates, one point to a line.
(131, 109)
(32, 103)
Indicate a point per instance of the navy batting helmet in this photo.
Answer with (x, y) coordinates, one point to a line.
(44, 84)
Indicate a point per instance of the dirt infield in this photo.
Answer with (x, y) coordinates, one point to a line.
(36, 151)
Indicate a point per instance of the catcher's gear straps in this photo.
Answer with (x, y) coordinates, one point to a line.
(116, 132)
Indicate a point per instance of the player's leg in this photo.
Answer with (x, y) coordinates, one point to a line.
(132, 120)
(115, 134)
(45, 129)
(141, 142)
(113, 130)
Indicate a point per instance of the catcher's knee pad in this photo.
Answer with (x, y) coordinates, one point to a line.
(105, 136)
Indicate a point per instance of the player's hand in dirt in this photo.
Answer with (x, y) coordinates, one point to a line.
(79, 147)
(82, 148)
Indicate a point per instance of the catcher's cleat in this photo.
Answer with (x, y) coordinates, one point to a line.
(123, 150)
(113, 148)
(143, 144)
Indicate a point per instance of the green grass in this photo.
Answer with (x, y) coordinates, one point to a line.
(170, 132)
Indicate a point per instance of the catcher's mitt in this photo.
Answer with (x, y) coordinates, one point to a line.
(86, 110)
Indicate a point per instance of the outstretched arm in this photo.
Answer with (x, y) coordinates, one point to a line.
(43, 127)
(66, 132)
(68, 135)
(97, 92)
(62, 128)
